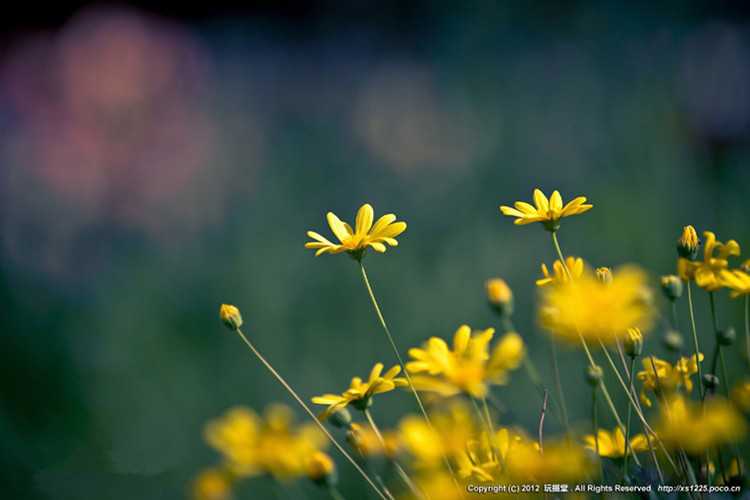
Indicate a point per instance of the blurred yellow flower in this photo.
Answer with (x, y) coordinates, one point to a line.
(320, 466)
(595, 310)
(559, 275)
(212, 484)
(253, 445)
(548, 212)
(365, 234)
(468, 366)
(708, 273)
(667, 378)
(737, 281)
(612, 445)
(695, 428)
(561, 462)
(498, 291)
(359, 394)
(363, 439)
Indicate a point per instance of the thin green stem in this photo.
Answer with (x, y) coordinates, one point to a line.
(401, 363)
(563, 408)
(701, 389)
(715, 319)
(747, 328)
(335, 493)
(310, 413)
(627, 425)
(595, 422)
(400, 470)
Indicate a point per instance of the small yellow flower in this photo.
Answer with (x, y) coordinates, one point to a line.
(708, 273)
(365, 234)
(695, 428)
(231, 316)
(320, 466)
(667, 378)
(594, 310)
(212, 484)
(559, 275)
(359, 394)
(612, 445)
(688, 243)
(548, 212)
(468, 366)
(500, 296)
(737, 281)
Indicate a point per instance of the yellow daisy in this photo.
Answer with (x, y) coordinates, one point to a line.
(547, 211)
(708, 273)
(365, 234)
(359, 394)
(612, 444)
(559, 275)
(667, 378)
(737, 281)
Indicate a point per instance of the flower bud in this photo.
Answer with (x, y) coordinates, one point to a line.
(688, 243)
(231, 316)
(321, 469)
(672, 340)
(726, 337)
(710, 381)
(745, 266)
(341, 418)
(672, 287)
(594, 375)
(633, 342)
(604, 275)
(500, 296)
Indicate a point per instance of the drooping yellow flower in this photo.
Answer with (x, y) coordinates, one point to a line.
(667, 378)
(469, 366)
(253, 445)
(594, 310)
(737, 281)
(367, 443)
(559, 275)
(741, 395)
(212, 484)
(359, 394)
(365, 234)
(612, 444)
(708, 273)
(695, 428)
(548, 212)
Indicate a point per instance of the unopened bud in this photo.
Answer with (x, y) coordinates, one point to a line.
(688, 243)
(321, 469)
(500, 296)
(633, 342)
(710, 381)
(604, 275)
(726, 337)
(341, 418)
(231, 316)
(594, 375)
(672, 287)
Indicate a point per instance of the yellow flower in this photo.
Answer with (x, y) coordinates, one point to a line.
(253, 445)
(468, 366)
(667, 378)
(212, 484)
(707, 274)
(612, 445)
(363, 439)
(320, 466)
(595, 310)
(737, 281)
(741, 395)
(359, 394)
(365, 234)
(560, 463)
(559, 275)
(548, 212)
(687, 425)
(498, 291)
(688, 243)
(231, 316)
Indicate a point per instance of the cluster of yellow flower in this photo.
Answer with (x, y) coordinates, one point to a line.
(456, 440)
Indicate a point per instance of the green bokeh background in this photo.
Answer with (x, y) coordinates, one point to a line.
(109, 373)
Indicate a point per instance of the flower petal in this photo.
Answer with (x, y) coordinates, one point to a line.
(363, 222)
(338, 227)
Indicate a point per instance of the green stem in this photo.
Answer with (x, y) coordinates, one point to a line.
(310, 413)
(401, 363)
(747, 327)
(595, 421)
(714, 317)
(400, 470)
(563, 409)
(335, 493)
(627, 425)
(701, 389)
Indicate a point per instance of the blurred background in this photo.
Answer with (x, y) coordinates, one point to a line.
(156, 162)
